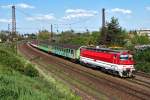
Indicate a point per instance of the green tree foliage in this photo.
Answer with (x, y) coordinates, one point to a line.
(44, 35)
(80, 38)
(115, 35)
(139, 40)
(66, 36)
(142, 58)
(4, 35)
(29, 36)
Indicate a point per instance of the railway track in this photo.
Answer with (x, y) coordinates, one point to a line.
(141, 78)
(58, 72)
(113, 84)
(140, 82)
(142, 74)
(89, 77)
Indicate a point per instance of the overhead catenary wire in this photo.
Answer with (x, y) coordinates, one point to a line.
(62, 25)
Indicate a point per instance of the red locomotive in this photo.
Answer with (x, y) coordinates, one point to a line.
(114, 61)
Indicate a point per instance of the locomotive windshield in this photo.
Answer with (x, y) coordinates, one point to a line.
(124, 57)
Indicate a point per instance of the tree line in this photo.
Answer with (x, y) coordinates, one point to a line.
(114, 35)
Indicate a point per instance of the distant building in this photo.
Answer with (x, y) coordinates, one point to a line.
(144, 32)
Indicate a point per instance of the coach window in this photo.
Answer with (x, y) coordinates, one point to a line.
(71, 51)
(68, 50)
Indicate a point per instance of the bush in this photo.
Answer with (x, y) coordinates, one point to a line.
(29, 70)
(145, 67)
(14, 62)
(142, 58)
(10, 60)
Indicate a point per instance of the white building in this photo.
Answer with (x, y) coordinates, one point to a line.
(144, 32)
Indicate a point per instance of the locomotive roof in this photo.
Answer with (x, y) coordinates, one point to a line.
(107, 50)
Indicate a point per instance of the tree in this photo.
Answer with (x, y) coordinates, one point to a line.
(79, 38)
(66, 36)
(44, 35)
(114, 33)
(4, 35)
(139, 40)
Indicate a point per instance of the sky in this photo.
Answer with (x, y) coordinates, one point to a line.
(79, 15)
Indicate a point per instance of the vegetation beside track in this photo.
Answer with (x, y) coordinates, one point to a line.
(142, 58)
(19, 80)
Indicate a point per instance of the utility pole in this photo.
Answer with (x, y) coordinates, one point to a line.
(9, 28)
(103, 32)
(103, 17)
(13, 22)
(9, 33)
(14, 38)
(51, 36)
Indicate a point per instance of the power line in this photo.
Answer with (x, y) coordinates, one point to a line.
(68, 24)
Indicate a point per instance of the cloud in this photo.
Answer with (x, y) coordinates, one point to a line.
(119, 10)
(23, 5)
(78, 13)
(5, 20)
(41, 17)
(20, 5)
(5, 6)
(147, 8)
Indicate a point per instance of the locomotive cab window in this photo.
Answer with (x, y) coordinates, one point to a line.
(124, 57)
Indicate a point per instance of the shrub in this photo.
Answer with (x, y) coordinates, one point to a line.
(10, 60)
(142, 57)
(29, 70)
(14, 62)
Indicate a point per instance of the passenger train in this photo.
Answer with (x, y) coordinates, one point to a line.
(118, 62)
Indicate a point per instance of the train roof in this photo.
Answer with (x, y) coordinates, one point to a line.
(47, 42)
(106, 49)
(68, 46)
(72, 46)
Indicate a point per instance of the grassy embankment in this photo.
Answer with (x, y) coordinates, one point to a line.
(19, 80)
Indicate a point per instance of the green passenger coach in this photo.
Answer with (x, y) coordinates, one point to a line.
(69, 51)
(65, 50)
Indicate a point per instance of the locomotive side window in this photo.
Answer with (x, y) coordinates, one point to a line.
(124, 57)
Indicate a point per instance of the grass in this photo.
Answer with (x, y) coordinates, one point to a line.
(19, 80)
(15, 86)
